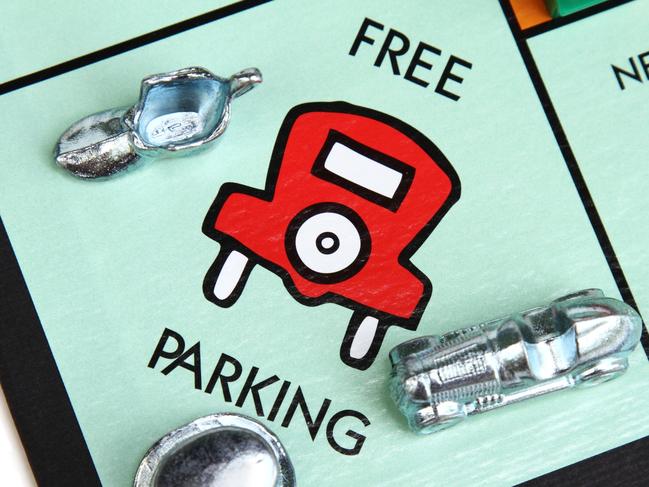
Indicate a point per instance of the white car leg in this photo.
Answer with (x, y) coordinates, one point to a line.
(227, 277)
(364, 337)
(362, 341)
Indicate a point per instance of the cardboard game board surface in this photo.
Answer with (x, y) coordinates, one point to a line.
(528, 143)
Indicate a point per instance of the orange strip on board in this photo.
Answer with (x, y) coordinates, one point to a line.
(530, 12)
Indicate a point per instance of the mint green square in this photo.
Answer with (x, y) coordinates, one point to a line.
(41, 33)
(607, 126)
(111, 263)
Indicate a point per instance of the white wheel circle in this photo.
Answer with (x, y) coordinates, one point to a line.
(327, 242)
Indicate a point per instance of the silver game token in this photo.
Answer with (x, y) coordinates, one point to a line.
(178, 113)
(581, 339)
(220, 450)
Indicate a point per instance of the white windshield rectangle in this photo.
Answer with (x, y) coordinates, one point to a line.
(362, 170)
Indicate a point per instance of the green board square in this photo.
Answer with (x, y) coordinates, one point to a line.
(606, 122)
(38, 34)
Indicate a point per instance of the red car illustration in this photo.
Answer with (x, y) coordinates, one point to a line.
(351, 194)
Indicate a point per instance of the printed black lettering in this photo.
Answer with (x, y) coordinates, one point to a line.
(160, 351)
(362, 37)
(645, 64)
(397, 44)
(195, 367)
(171, 346)
(418, 62)
(619, 72)
(279, 400)
(218, 375)
(298, 400)
(393, 53)
(254, 388)
(359, 439)
(449, 75)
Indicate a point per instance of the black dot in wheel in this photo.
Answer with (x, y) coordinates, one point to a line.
(327, 243)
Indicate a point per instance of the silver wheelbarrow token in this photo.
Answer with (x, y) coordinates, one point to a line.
(220, 450)
(178, 113)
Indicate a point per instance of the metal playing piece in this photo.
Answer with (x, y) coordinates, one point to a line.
(220, 450)
(581, 339)
(178, 113)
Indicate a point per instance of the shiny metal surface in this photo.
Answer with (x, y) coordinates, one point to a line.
(581, 339)
(177, 113)
(96, 146)
(221, 450)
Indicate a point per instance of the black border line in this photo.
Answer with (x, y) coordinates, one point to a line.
(627, 464)
(128, 45)
(35, 392)
(569, 19)
(573, 166)
(624, 466)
